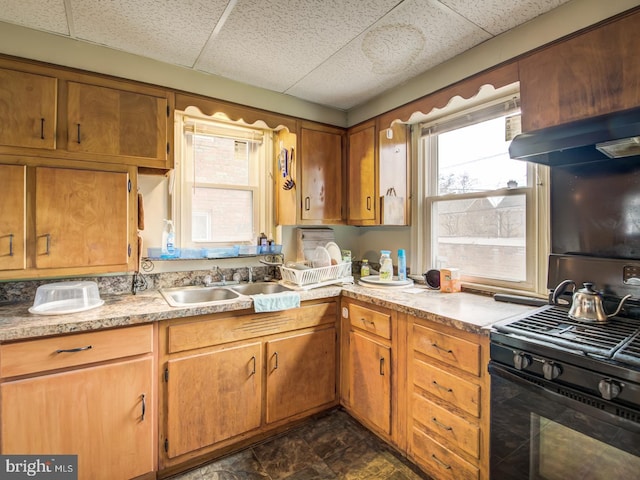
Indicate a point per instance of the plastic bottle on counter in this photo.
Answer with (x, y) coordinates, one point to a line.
(402, 265)
(364, 268)
(386, 266)
(263, 243)
(168, 239)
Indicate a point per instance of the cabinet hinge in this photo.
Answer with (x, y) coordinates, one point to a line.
(166, 374)
(166, 445)
(129, 250)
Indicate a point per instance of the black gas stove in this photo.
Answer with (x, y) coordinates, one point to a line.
(599, 359)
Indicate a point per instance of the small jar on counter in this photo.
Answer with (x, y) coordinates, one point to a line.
(364, 268)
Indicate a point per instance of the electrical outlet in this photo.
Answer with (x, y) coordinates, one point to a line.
(631, 275)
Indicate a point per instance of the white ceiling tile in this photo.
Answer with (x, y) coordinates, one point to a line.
(340, 53)
(274, 43)
(47, 15)
(414, 37)
(173, 32)
(498, 16)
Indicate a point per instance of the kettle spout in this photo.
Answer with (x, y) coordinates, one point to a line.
(624, 299)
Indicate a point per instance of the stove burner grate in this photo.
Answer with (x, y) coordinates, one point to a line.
(552, 325)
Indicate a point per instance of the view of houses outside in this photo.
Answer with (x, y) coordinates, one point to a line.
(481, 233)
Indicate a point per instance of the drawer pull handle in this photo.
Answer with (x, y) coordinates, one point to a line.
(368, 203)
(78, 134)
(382, 366)
(438, 347)
(446, 389)
(442, 464)
(11, 244)
(47, 236)
(42, 129)
(441, 425)
(307, 203)
(276, 365)
(73, 350)
(253, 372)
(370, 322)
(144, 407)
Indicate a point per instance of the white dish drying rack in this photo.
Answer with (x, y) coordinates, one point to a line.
(305, 279)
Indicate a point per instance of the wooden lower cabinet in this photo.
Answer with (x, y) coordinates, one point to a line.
(448, 401)
(301, 373)
(230, 380)
(103, 413)
(212, 397)
(370, 381)
(372, 371)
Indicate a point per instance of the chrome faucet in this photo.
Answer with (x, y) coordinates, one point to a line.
(208, 279)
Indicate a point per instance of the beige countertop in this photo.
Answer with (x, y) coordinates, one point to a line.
(464, 311)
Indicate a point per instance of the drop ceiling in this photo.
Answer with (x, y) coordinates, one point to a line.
(337, 53)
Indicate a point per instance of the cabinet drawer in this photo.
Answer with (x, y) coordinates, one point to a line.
(31, 356)
(371, 321)
(216, 331)
(450, 388)
(440, 462)
(458, 433)
(455, 351)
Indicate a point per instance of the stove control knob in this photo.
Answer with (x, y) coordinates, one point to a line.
(551, 370)
(609, 389)
(521, 360)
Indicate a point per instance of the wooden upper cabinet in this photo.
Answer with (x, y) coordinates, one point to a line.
(81, 218)
(321, 175)
(109, 121)
(27, 109)
(592, 74)
(13, 217)
(361, 197)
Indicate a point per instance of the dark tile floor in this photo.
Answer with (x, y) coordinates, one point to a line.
(333, 446)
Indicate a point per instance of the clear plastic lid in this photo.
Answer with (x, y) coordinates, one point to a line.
(66, 297)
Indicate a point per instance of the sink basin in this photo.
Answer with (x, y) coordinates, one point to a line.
(260, 287)
(190, 296)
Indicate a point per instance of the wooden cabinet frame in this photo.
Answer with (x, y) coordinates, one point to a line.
(269, 352)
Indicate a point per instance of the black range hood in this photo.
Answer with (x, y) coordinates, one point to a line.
(608, 136)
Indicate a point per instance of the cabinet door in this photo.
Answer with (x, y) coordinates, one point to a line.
(301, 373)
(591, 74)
(27, 109)
(116, 122)
(370, 381)
(13, 215)
(362, 198)
(81, 218)
(212, 397)
(321, 176)
(102, 414)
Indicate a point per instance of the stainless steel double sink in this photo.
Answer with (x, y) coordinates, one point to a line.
(201, 296)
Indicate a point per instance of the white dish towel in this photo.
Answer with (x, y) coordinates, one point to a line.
(275, 302)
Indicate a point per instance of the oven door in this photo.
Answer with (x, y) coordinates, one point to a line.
(537, 433)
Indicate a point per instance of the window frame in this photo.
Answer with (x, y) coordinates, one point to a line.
(179, 185)
(537, 244)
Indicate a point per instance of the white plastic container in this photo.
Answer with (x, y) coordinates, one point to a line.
(66, 297)
(168, 239)
(386, 266)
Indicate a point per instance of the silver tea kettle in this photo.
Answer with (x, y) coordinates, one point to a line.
(586, 305)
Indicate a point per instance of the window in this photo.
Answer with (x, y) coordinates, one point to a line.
(482, 210)
(221, 183)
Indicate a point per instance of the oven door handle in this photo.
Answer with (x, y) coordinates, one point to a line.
(550, 391)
